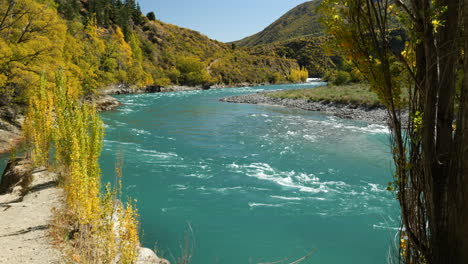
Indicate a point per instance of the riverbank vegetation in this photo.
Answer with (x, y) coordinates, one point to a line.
(354, 94)
(430, 151)
(66, 135)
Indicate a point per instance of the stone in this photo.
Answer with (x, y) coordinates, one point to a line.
(16, 171)
(147, 256)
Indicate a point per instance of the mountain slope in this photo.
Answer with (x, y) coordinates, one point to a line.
(99, 43)
(298, 22)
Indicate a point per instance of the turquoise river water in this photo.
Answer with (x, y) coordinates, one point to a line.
(255, 183)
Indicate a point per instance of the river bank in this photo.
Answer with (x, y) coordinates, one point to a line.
(28, 199)
(105, 102)
(371, 114)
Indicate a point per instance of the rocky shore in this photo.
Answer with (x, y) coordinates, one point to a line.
(10, 129)
(346, 111)
(105, 102)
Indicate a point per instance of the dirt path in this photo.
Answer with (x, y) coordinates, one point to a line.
(24, 223)
(208, 69)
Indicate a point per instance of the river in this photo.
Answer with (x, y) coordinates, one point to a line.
(254, 183)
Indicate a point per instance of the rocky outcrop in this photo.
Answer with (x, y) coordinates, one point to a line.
(18, 173)
(125, 89)
(147, 256)
(10, 128)
(106, 103)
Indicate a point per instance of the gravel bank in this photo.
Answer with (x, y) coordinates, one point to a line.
(368, 114)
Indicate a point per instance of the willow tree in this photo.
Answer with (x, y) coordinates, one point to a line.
(31, 43)
(425, 80)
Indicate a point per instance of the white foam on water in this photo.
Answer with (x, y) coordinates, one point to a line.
(253, 205)
(286, 198)
(113, 142)
(173, 166)
(375, 187)
(199, 176)
(157, 154)
(304, 182)
(311, 138)
(180, 187)
(380, 226)
(334, 123)
(226, 189)
(140, 132)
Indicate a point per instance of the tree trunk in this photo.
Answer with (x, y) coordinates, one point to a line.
(458, 186)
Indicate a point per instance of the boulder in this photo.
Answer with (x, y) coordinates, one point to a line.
(17, 171)
(106, 103)
(147, 256)
(153, 89)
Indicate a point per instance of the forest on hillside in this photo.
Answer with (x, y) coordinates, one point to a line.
(97, 43)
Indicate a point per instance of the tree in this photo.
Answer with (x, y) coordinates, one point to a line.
(31, 40)
(151, 16)
(430, 151)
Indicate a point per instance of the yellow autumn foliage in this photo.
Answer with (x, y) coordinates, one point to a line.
(298, 75)
(107, 232)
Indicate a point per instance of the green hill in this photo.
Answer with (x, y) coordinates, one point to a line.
(299, 22)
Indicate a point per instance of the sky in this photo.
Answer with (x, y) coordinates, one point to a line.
(223, 20)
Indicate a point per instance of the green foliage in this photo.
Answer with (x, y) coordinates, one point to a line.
(242, 67)
(151, 16)
(341, 77)
(356, 94)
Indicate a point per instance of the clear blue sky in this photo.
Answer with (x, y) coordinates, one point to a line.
(223, 20)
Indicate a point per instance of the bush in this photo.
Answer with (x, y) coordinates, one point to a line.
(299, 75)
(162, 82)
(151, 16)
(341, 78)
(275, 78)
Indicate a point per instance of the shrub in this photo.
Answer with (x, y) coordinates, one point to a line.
(298, 75)
(341, 78)
(151, 16)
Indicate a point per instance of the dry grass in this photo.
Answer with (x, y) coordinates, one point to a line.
(355, 94)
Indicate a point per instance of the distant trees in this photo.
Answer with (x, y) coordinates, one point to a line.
(430, 151)
(123, 13)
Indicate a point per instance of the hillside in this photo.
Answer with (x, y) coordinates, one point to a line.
(308, 51)
(298, 22)
(98, 43)
(296, 35)
(175, 49)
